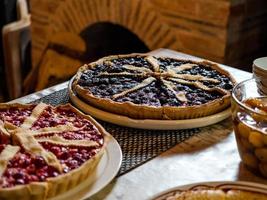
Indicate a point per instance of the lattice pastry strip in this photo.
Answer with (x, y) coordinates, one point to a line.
(3, 130)
(199, 85)
(154, 62)
(120, 74)
(144, 83)
(54, 130)
(37, 111)
(57, 140)
(194, 77)
(180, 95)
(6, 155)
(32, 146)
(137, 69)
(180, 68)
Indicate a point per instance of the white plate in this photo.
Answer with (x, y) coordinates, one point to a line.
(239, 185)
(105, 171)
(146, 123)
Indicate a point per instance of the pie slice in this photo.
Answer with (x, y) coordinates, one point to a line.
(146, 87)
(46, 150)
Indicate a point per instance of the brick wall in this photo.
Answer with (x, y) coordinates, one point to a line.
(225, 31)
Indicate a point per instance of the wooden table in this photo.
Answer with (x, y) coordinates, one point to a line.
(211, 155)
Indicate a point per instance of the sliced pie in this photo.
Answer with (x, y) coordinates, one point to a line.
(46, 150)
(146, 87)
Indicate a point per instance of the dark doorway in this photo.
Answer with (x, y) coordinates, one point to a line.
(103, 39)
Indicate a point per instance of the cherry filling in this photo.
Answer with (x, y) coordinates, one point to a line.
(4, 139)
(25, 168)
(75, 119)
(84, 135)
(14, 115)
(60, 116)
(48, 119)
(71, 157)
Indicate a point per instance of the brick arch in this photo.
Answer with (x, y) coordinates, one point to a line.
(69, 18)
(135, 15)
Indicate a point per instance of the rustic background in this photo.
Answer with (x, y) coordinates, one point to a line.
(67, 33)
(7, 15)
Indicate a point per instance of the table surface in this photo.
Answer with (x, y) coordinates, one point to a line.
(211, 155)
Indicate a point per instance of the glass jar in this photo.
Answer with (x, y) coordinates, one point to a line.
(250, 126)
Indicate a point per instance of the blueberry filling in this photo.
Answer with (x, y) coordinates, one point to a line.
(106, 81)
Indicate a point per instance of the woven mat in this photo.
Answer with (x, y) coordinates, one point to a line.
(138, 146)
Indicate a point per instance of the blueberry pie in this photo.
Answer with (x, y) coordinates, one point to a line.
(142, 86)
(45, 150)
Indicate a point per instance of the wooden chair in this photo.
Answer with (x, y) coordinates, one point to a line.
(16, 36)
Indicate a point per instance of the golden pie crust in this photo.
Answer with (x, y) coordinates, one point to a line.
(52, 186)
(217, 194)
(140, 111)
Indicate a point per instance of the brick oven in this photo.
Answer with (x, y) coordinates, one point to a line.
(68, 33)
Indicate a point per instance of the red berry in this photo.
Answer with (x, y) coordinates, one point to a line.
(39, 162)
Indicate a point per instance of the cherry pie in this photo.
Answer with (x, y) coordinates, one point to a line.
(46, 150)
(147, 87)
